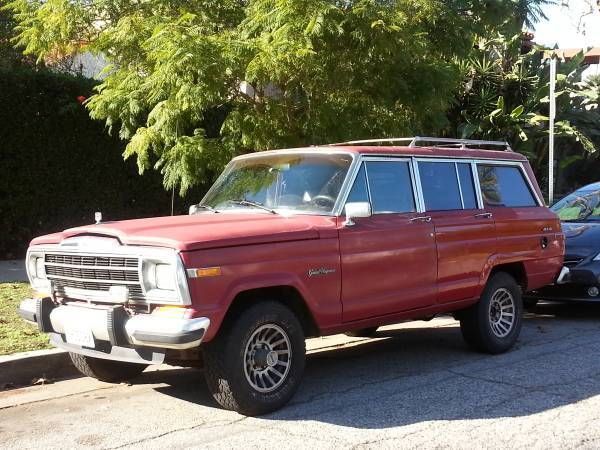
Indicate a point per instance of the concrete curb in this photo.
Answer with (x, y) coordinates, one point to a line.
(24, 368)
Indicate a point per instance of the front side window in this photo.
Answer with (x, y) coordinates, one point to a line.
(504, 186)
(293, 182)
(359, 192)
(391, 187)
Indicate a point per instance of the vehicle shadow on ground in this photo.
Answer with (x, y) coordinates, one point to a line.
(413, 375)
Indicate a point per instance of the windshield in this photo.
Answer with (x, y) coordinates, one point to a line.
(291, 182)
(578, 206)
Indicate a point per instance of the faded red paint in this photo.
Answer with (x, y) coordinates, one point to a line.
(384, 270)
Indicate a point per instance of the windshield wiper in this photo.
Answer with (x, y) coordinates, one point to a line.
(253, 204)
(208, 208)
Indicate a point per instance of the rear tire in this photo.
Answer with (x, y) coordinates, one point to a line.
(106, 369)
(493, 324)
(363, 332)
(255, 364)
(530, 303)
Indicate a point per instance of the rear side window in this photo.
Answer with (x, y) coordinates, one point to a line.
(504, 186)
(391, 187)
(440, 185)
(447, 185)
(466, 185)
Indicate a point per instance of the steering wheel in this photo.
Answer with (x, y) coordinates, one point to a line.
(326, 201)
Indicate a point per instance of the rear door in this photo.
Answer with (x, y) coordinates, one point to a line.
(465, 234)
(525, 231)
(388, 260)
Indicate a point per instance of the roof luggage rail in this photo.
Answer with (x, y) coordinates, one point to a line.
(426, 141)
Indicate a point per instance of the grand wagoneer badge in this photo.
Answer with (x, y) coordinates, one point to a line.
(320, 271)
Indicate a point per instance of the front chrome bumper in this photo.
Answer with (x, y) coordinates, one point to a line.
(115, 326)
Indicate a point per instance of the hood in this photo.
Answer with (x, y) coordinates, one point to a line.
(582, 239)
(205, 230)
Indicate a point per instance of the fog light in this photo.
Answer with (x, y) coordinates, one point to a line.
(593, 291)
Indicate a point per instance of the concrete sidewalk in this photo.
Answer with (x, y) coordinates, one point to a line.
(12, 270)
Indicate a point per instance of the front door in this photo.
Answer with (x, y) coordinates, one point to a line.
(388, 260)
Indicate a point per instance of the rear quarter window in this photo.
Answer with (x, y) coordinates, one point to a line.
(504, 186)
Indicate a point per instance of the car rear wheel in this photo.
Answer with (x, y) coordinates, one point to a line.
(106, 369)
(363, 332)
(493, 324)
(255, 364)
(530, 303)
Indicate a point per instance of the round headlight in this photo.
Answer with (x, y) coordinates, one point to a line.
(165, 277)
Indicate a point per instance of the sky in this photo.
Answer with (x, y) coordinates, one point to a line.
(571, 23)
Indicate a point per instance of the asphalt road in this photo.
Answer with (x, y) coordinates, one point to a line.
(415, 385)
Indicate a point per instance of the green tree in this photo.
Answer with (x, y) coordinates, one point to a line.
(193, 82)
(505, 95)
(10, 57)
(529, 12)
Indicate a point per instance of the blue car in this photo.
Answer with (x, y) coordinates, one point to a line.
(580, 216)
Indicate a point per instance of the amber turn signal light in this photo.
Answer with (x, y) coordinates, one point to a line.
(204, 272)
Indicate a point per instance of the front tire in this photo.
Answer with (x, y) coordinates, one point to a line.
(255, 364)
(494, 323)
(106, 369)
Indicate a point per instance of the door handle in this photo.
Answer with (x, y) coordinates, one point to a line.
(421, 219)
(485, 215)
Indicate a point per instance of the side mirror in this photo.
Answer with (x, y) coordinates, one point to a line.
(193, 210)
(355, 210)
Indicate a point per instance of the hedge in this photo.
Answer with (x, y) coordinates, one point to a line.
(58, 166)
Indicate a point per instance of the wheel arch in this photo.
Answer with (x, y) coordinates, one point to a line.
(514, 269)
(287, 295)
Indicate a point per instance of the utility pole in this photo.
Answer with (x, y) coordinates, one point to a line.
(553, 60)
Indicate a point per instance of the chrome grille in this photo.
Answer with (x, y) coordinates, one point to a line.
(135, 292)
(93, 273)
(91, 260)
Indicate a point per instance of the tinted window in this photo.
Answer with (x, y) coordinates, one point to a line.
(466, 185)
(504, 186)
(359, 192)
(440, 185)
(391, 186)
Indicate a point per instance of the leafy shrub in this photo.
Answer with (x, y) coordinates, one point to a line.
(58, 166)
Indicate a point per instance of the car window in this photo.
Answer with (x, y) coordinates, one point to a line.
(299, 182)
(391, 187)
(359, 192)
(440, 185)
(504, 186)
(581, 205)
(466, 185)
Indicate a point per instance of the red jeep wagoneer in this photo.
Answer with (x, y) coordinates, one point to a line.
(291, 244)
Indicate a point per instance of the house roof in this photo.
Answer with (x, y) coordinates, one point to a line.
(591, 56)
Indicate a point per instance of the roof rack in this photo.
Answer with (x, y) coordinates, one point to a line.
(419, 141)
